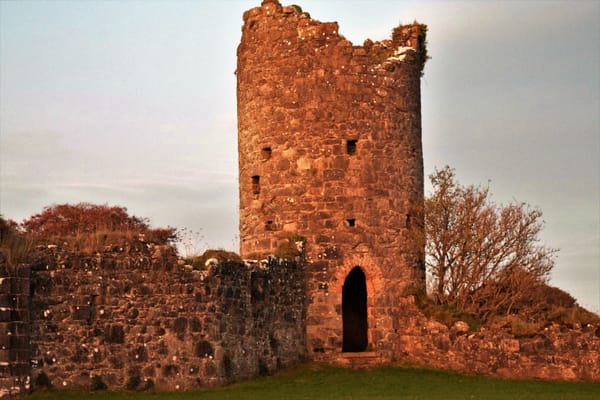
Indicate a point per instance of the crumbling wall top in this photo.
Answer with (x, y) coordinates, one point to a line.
(280, 21)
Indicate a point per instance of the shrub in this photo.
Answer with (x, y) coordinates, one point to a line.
(444, 313)
(522, 328)
(199, 262)
(12, 242)
(292, 248)
(91, 225)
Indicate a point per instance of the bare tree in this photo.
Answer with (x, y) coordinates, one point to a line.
(481, 257)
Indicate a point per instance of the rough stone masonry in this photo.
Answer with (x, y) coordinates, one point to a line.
(330, 159)
(330, 152)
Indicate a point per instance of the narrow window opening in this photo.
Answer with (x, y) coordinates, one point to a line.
(269, 226)
(351, 222)
(265, 153)
(351, 146)
(256, 185)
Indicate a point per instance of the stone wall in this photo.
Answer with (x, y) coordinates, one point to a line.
(134, 317)
(557, 352)
(15, 350)
(330, 149)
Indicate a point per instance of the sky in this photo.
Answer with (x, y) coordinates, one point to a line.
(132, 103)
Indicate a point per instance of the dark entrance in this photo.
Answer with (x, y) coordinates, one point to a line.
(354, 311)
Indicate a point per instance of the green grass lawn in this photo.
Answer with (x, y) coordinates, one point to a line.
(383, 383)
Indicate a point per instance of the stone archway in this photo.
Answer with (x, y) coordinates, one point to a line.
(354, 312)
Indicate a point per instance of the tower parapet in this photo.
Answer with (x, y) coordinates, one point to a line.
(329, 138)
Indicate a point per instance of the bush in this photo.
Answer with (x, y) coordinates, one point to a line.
(443, 313)
(199, 262)
(88, 224)
(292, 248)
(522, 328)
(12, 242)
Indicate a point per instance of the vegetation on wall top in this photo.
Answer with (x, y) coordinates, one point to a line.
(84, 226)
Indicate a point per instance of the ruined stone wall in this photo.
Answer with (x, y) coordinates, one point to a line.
(135, 318)
(557, 352)
(15, 350)
(330, 149)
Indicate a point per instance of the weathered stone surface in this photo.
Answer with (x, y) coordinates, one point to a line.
(330, 149)
(554, 353)
(148, 320)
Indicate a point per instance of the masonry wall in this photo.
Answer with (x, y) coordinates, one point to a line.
(135, 318)
(330, 150)
(15, 350)
(556, 352)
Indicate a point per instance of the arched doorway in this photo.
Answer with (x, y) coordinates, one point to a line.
(354, 311)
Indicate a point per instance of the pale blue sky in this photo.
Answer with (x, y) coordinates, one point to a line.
(133, 103)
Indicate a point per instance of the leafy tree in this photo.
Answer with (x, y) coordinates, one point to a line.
(482, 258)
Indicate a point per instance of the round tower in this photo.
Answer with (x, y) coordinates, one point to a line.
(329, 139)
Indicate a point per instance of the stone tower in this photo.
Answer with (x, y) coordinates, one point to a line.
(329, 138)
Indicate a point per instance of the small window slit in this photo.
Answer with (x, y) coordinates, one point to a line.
(351, 146)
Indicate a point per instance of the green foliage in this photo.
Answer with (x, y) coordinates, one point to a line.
(13, 243)
(573, 316)
(399, 35)
(421, 39)
(522, 328)
(290, 249)
(386, 383)
(221, 255)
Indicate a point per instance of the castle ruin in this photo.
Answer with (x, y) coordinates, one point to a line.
(330, 158)
(330, 153)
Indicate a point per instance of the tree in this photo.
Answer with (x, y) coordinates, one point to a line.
(481, 257)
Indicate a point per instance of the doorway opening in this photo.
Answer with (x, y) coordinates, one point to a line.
(354, 312)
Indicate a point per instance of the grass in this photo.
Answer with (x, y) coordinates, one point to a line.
(320, 382)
